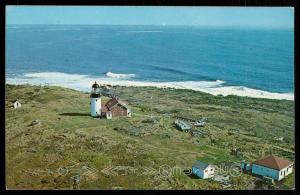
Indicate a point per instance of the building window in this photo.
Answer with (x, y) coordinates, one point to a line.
(281, 173)
(211, 169)
(205, 171)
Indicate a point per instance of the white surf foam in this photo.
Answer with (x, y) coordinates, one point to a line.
(55, 76)
(84, 82)
(115, 75)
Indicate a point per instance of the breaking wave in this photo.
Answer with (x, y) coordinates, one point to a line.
(115, 75)
(84, 82)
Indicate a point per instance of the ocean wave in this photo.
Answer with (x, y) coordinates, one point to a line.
(175, 71)
(170, 70)
(142, 31)
(12, 27)
(115, 75)
(55, 76)
(61, 29)
(219, 81)
(84, 82)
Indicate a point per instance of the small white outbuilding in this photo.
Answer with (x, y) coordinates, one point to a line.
(203, 170)
(17, 104)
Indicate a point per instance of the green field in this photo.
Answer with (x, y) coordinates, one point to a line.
(131, 153)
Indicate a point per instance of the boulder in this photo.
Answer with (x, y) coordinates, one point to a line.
(35, 122)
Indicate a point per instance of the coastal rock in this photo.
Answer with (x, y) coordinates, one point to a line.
(35, 122)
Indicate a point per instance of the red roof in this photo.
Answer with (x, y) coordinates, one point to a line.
(110, 104)
(273, 162)
(104, 108)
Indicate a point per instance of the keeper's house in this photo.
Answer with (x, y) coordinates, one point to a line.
(113, 108)
(273, 167)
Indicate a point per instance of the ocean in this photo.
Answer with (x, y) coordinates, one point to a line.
(255, 62)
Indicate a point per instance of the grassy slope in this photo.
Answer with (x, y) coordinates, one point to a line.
(69, 139)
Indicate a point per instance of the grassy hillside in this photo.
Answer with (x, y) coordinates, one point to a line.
(69, 149)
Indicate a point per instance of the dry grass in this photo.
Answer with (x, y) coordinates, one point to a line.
(69, 142)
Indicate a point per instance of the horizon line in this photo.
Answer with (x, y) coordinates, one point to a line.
(192, 25)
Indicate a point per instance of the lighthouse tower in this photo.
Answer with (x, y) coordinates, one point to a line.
(95, 101)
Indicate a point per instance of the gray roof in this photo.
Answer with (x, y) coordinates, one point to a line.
(182, 125)
(200, 165)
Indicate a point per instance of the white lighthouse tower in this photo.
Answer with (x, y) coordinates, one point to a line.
(95, 101)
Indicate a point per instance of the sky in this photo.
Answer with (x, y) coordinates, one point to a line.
(280, 17)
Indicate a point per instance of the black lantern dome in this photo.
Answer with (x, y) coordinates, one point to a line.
(95, 90)
(95, 85)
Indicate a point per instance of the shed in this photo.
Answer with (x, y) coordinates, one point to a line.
(200, 122)
(245, 166)
(203, 170)
(182, 125)
(17, 104)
